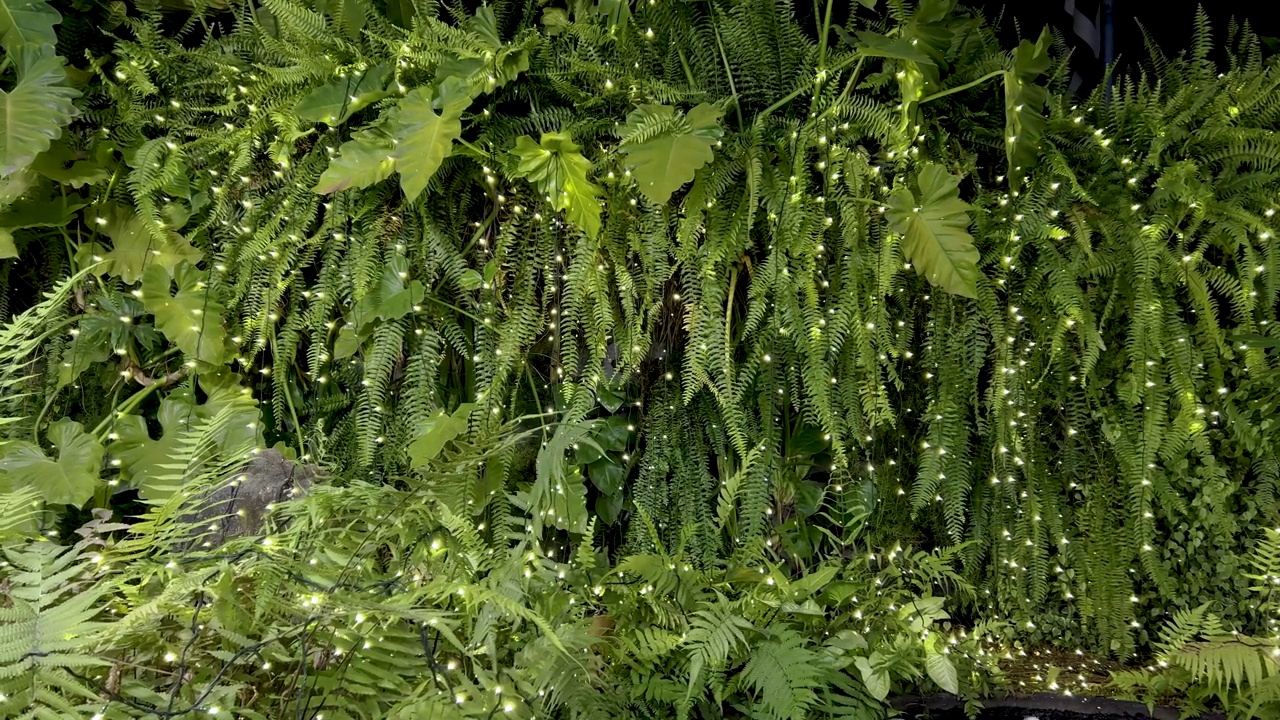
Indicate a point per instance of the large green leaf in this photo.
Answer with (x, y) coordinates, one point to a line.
(425, 138)
(27, 22)
(665, 149)
(191, 319)
(69, 480)
(941, 670)
(558, 496)
(34, 112)
(875, 678)
(934, 225)
(135, 247)
(63, 165)
(367, 158)
(7, 247)
(340, 98)
(146, 464)
(872, 44)
(1024, 102)
(436, 432)
(32, 213)
(557, 168)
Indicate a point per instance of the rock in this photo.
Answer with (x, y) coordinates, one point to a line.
(238, 508)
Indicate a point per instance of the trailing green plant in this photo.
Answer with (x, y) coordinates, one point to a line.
(637, 341)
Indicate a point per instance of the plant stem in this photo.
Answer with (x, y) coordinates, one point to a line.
(961, 88)
(796, 93)
(724, 58)
(822, 37)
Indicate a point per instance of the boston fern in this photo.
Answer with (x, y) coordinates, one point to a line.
(624, 359)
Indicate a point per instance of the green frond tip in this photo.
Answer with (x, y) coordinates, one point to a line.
(934, 224)
(557, 168)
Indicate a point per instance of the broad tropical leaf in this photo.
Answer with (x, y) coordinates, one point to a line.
(191, 319)
(1024, 106)
(366, 159)
(438, 430)
(941, 670)
(134, 247)
(340, 98)
(664, 148)
(27, 22)
(558, 169)
(934, 225)
(7, 247)
(69, 480)
(425, 137)
(875, 679)
(34, 112)
(146, 463)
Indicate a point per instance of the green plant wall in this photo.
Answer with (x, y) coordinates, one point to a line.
(800, 301)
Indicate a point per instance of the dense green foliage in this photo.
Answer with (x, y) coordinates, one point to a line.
(666, 359)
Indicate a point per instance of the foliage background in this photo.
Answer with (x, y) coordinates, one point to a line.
(674, 342)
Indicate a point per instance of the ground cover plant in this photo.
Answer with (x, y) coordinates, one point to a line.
(660, 359)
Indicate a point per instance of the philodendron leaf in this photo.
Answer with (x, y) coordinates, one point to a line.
(437, 432)
(424, 138)
(147, 464)
(664, 149)
(135, 247)
(367, 158)
(340, 98)
(1024, 105)
(934, 226)
(34, 112)
(557, 168)
(27, 22)
(69, 480)
(191, 319)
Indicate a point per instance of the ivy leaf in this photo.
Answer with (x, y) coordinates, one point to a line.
(607, 474)
(437, 432)
(941, 670)
(665, 149)
(69, 480)
(609, 507)
(27, 22)
(191, 319)
(1024, 102)
(135, 247)
(557, 168)
(934, 226)
(34, 112)
(367, 158)
(147, 464)
(612, 434)
(425, 138)
(337, 100)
